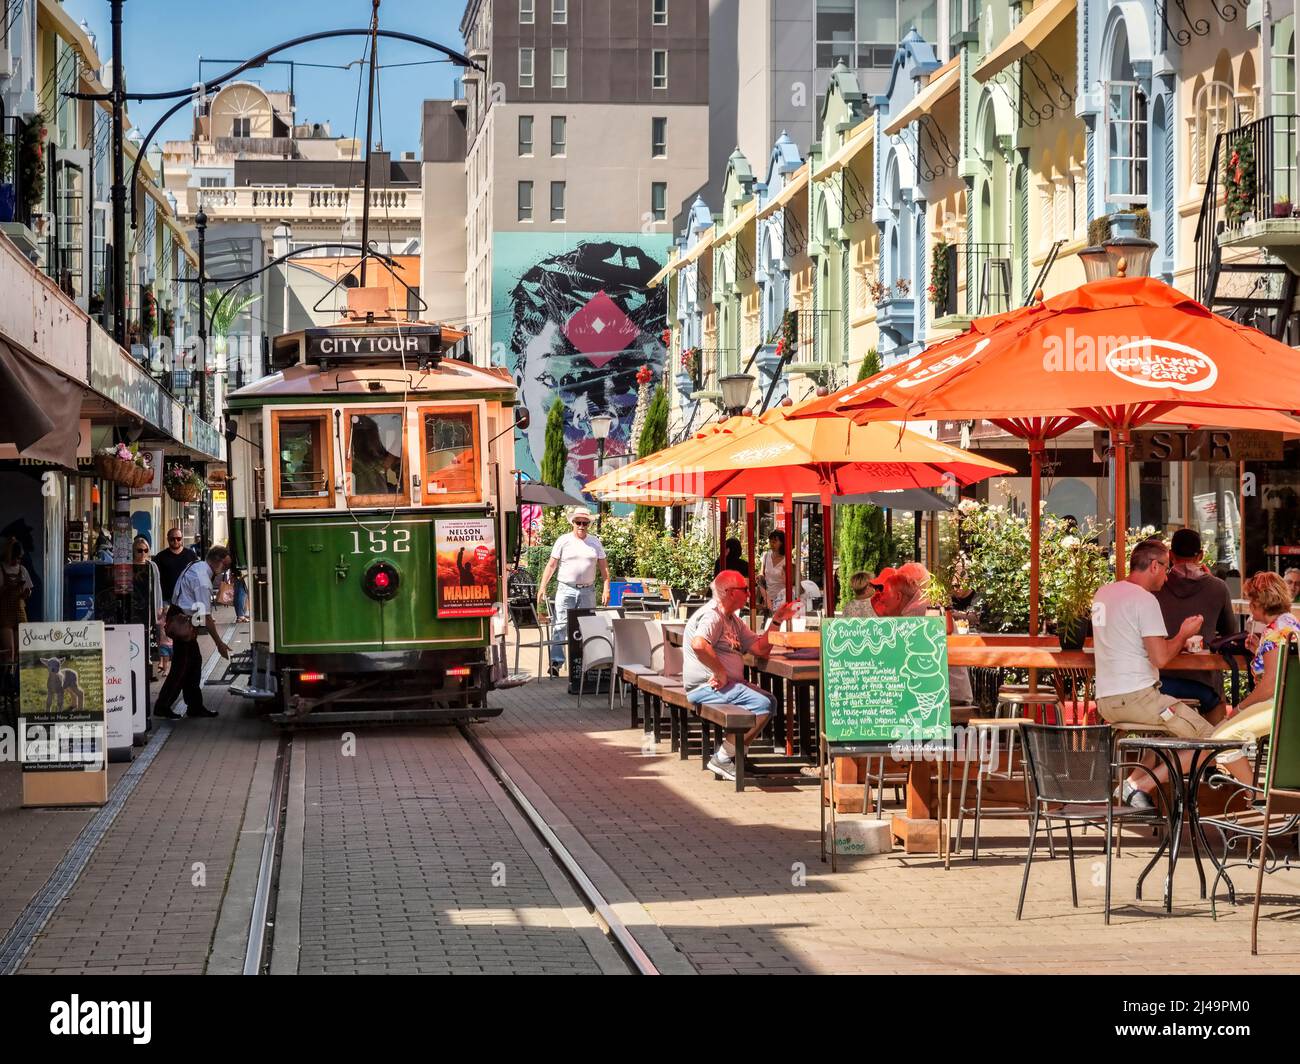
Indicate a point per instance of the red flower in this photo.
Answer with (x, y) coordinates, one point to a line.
(780, 346)
(667, 337)
(644, 375)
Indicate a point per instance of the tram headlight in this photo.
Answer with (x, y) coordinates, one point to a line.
(381, 581)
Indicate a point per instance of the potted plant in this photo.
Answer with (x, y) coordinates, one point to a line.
(183, 483)
(938, 289)
(878, 291)
(1080, 569)
(903, 286)
(31, 166)
(1282, 208)
(8, 196)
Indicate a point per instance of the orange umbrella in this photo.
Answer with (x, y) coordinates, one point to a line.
(1120, 353)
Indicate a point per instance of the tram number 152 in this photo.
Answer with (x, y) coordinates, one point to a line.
(380, 542)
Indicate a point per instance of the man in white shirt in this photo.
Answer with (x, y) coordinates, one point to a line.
(192, 598)
(1128, 636)
(577, 555)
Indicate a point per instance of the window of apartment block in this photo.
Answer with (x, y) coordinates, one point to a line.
(525, 134)
(525, 201)
(659, 200)
(525, 68)
(659, 137)
(241, 127)
(864, 33)
(527, 12)
(659, 69)
(557, 201)
(1126, 143)
(559, 12)
(559, 134)
(659, 13)
(559, 68)
(212, 182)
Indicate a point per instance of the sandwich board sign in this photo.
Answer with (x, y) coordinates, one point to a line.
(120, 691)
(61, 726)
(885, 679)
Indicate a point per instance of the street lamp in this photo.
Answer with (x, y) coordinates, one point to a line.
(1124, 246)
(735, 392)
(600, 425)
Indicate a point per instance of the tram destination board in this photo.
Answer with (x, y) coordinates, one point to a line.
(367, 345)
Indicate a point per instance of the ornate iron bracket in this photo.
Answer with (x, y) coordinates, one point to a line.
(796, 236)
(1227, 10)
(857, 202)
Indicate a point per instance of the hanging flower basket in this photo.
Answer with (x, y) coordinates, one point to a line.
(183, 484)
(122, 465)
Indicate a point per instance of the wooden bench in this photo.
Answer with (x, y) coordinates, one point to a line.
(629, 674)
(654, 687)
(725, 720)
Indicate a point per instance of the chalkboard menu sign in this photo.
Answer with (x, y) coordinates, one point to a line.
(885, 679)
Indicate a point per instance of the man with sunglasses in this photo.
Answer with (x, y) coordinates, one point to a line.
(171, 562)
(714, 644)
(577, 555)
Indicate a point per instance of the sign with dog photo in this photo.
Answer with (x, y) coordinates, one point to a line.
(61, 713)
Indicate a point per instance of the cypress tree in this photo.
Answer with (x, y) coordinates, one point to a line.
(555, 458)
(860, 530)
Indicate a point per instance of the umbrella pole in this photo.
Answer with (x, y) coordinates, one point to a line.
(751, 531)
(1119, 442)
(828, 557)
(789, 535)
(723, 507)
(1036, 448)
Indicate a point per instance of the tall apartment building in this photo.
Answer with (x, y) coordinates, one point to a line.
(771, 60)
(591, 119)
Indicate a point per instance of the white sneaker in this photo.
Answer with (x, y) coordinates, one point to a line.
(723, 769)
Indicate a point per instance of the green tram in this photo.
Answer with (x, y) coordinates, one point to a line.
(371, 488)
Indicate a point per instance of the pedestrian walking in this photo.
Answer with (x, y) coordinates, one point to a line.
(191, 607)
(576, 555)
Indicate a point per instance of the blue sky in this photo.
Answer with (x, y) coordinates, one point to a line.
(163, 40)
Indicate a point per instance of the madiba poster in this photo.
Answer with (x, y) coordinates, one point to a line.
(467, 567)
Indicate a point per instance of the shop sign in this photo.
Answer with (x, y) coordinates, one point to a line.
(124, 381)
(153, 460)
(1198, 445)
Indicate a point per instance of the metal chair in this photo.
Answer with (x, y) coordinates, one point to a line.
(595, 632)
(1074, 778)
(635, 649)
(989, 735)
(1282, 784)
(524, 615)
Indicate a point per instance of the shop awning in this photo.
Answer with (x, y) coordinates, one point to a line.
(745, 216)
(658, 278)
(794, 184)
(941, 83)
(39, 410)
(1026, 37)
(859, 139)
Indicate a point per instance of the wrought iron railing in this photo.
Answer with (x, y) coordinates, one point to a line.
(980, 280)
(1251, 176)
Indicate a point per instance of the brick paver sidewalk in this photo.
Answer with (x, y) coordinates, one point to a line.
(736, 883)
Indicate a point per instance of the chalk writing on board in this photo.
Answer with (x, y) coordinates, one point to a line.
(885, 678)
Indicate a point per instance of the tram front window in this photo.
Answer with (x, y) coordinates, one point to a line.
(302, 463)
(451, 472)
(375, 455)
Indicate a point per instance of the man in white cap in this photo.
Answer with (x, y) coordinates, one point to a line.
(577, 555)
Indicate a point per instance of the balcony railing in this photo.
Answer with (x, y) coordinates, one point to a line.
(980, 281)
(1251, 177)
(254, 145)
(261, 202)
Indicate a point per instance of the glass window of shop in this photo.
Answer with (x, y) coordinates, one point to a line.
(1270, 500)
(1206, 496)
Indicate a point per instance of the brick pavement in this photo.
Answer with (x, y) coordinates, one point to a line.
(136, 908)
(717, 870)
(401, 845)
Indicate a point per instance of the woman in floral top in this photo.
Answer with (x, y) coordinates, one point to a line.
(1270, 604)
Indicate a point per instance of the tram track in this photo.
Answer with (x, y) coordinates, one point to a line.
(264, 903)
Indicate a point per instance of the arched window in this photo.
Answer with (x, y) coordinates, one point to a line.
(1214, 111)
(1127, 137)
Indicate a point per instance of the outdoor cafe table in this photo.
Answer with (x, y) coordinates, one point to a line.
(1185, 809)
(918, 826)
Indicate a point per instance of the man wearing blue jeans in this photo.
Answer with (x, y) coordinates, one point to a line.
(577, 555)
(713, 666)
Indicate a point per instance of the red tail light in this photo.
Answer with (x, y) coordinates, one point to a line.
(311, 677)
(459, 670)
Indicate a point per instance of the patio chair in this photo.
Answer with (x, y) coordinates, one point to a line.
(1282, 784)
(597, 649)
(524, 615)
(636, 649)
(1074, 780)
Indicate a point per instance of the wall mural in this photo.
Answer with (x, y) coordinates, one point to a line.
(577, 321)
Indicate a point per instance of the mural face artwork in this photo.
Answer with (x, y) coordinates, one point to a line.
(579, 322)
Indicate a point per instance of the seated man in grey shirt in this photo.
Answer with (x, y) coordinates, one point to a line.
(713, 667)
